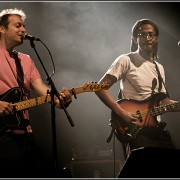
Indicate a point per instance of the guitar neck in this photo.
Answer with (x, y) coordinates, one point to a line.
(159, 110)
(42, 100)
(89, 87)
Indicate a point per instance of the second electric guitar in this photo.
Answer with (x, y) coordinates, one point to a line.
(146, 111)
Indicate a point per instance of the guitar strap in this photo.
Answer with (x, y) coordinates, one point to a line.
(20, 74)
(20, 80)
(161, 81)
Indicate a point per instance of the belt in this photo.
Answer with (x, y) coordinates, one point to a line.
(15, 132)
(18, 131)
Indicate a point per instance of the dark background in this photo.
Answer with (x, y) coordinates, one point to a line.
(84, 39)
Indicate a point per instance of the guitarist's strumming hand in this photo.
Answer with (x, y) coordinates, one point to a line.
(6, 108)
(128, 117)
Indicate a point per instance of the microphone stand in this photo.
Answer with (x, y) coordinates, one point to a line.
(53, 93)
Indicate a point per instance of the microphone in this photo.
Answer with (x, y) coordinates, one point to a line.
(30, 37)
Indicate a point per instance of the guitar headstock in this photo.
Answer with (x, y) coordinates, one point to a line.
(94, 86)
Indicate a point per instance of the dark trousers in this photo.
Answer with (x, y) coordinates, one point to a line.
(152, 137)
(149, 137)
(150, 155)
(19, 155)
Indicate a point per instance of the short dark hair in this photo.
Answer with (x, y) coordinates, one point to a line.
(4, 20)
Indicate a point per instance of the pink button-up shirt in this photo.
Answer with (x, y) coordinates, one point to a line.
(8, 73)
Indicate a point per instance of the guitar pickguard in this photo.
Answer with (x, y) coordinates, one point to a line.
(12, 96)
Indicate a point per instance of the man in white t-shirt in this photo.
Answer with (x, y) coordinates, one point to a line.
(136, 117)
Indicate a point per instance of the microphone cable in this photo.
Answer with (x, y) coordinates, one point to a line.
(50, 57)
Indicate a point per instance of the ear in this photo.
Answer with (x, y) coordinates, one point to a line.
(2, 29)
(135, 40)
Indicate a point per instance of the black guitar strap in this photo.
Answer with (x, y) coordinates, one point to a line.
(20, 80)
(160, 79)
(20, 74)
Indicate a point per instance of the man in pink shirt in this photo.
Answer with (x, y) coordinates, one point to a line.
(17, 146)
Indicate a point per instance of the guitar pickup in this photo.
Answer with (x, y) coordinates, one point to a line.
(139, 116)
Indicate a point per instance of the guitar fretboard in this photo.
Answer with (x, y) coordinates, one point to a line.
(32, 102)
(159, 110)
(90, 87)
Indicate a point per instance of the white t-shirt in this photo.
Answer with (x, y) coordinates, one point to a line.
(138, 77)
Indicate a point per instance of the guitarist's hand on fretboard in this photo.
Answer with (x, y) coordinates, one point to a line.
(65, 97)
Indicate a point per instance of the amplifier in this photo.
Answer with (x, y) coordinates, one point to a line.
(91, 153)
(104, 168)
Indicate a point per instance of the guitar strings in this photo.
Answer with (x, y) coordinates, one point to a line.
(158, 110)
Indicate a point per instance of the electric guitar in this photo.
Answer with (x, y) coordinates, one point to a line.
(15, 96)
(146, 111)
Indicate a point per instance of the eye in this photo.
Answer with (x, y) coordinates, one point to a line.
(18, 25)
(149, 35)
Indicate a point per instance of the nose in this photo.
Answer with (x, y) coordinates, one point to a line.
(23, 29)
